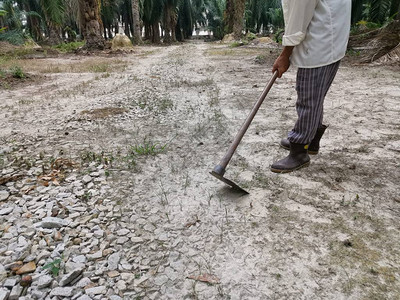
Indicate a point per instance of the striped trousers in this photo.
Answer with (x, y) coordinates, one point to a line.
(312, 86)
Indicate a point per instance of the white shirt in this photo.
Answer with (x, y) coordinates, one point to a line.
(319, 30)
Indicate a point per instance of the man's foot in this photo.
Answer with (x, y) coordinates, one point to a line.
(313, 148)
(297, 159)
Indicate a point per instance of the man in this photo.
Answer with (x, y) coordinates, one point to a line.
(315, 40)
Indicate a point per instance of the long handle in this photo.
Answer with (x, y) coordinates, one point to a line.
(220, 168)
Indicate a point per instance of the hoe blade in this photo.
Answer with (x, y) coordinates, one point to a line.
(233, 185)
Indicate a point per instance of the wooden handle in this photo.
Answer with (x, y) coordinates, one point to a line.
(220, 168)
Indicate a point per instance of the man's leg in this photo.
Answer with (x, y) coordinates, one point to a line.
(312, 86)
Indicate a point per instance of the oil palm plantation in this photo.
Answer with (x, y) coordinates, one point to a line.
(54, 20)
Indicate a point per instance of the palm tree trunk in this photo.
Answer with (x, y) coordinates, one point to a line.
(137, 34)
(156, 39)
(240, 6)
(91, 25)
(229, 16)
(54, 35)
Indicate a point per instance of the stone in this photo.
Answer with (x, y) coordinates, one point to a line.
(128, 277)
(141, 280)
(70, 266)
(98, 290)
(6, 211)
(26, 280)
(42, 255)
(122, 232)
(80, 259)
(4, 195)
(113, 261)
(4, 294)
(115, 297)
(62, 292)
(113, 274)
(86, 179)
(77, 241)
(107, 251)
(98, 233)
(84, 282)
(94, 256)
(52, 222)
(136, 240)
(3, 272)
(121, 285)
(68, 278)
(58, 236)
(10, 283)
(160, 280)
(84, 297)
(27, 268)
(122, 240)
(44, 281)
(15, 292)
(36, 294)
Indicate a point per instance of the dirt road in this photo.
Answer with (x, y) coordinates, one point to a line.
(163, 117)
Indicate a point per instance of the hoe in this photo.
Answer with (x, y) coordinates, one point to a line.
(219, 169)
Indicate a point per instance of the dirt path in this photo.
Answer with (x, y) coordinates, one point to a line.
(329, 231)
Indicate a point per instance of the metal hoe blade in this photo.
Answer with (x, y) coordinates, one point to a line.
(219, 170)
(229, 182)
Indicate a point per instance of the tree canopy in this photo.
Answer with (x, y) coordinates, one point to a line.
(57, 21)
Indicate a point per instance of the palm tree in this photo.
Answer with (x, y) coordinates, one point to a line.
(215, 17)
(170, 19)
(152, 11)
(90, 23)
(184, 27)
(238, 18)
(234, 15)
(137, 34)
(109, 16)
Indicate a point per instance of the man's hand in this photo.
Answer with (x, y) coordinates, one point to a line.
(282, 63)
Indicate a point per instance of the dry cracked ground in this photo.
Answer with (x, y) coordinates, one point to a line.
(105, 190)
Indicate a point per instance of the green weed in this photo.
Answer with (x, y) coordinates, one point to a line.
(17, 72)
(100, 158)
(54, 266)
(148, 149)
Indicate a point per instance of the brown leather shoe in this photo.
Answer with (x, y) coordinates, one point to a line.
(297, 159)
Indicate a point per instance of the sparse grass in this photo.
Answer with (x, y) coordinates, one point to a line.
(104, 112)
(100, 158)
(100, 68)
(25, 101)
(152, 102)
(69, 47)
(148, 149)
(239, 51)
(261, 59)
(201, 83)
(87, 65)
(236, 44)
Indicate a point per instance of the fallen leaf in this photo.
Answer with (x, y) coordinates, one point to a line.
(4, 180)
